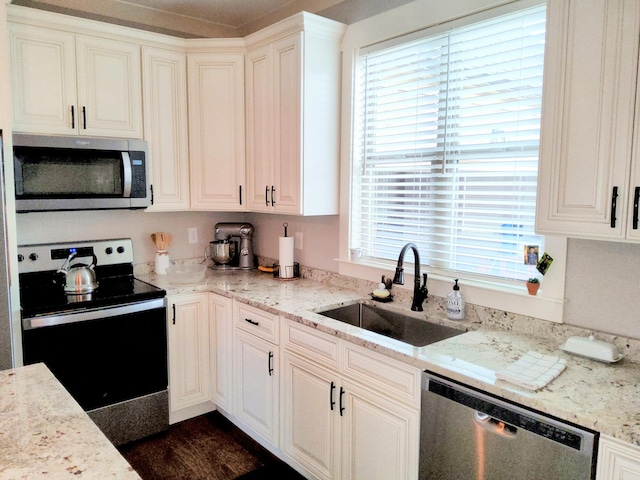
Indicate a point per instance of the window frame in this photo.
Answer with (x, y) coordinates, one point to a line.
(421, 18)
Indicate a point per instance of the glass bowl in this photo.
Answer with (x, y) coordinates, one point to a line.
(186, 273)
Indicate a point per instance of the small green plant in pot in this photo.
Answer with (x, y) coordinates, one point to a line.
(533, 284)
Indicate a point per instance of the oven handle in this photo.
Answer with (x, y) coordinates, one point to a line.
(92, 314)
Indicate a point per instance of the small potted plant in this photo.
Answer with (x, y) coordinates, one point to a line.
(533, 284)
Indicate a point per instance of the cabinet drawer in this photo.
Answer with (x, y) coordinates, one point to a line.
(258, 322)
(394, 378)
(317, 346)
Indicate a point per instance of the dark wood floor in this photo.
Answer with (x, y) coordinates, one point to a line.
(208, 447)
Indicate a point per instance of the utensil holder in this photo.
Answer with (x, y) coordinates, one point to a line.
(162, 262)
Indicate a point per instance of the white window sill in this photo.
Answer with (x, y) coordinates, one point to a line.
(508, 296)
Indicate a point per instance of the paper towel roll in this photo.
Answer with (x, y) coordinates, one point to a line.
(286, 257)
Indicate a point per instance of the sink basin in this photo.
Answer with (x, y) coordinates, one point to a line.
(392, 324)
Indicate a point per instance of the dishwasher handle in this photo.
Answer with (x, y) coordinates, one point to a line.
(494, 425)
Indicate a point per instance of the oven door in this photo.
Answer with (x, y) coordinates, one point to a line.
(103, 356)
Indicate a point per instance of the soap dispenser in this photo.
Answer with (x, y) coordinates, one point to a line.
(455, 303)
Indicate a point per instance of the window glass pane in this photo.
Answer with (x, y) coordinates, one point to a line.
(446, 147)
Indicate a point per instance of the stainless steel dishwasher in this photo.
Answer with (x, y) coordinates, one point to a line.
(468, 435)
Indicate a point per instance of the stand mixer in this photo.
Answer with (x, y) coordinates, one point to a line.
(226, 252)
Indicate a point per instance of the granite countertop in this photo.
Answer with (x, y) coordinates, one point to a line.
(44, 433)
(596, 395)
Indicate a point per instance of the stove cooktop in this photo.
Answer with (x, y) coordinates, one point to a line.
(42, 289)
(45, 300)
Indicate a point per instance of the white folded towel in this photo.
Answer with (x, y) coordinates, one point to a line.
(533, 371)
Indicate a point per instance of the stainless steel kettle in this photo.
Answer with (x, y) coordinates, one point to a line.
(79, 278)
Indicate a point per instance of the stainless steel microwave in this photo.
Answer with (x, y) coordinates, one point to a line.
(79, 173)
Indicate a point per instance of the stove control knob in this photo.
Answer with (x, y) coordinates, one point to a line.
(108, 250)
(20, 257)
(33, 257)
(120, 250)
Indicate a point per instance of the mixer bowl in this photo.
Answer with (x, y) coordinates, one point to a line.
(224, 251)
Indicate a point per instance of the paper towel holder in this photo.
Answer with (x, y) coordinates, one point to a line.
(296, 271)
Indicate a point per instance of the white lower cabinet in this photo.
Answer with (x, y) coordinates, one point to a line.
(221, 354)
(310, 426)
(379, 436)
(256, 373)
(335, 426)
(189, 362)
(617, 460)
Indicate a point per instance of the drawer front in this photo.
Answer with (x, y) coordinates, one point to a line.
(393, 378)
(258, 322)
(317, 346)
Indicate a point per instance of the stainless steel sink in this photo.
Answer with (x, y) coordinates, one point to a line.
(392, 324)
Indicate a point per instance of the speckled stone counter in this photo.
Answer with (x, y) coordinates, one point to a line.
(603, 397)
(45, 434)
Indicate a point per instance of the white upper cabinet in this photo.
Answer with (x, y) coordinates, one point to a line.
(292, 105)
(66, 83)
(589, 178)
(216, 131)
(164, 75)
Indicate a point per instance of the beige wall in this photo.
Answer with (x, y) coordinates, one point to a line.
(320, 234)
(42, 227)
(603, 286)
(319, 238)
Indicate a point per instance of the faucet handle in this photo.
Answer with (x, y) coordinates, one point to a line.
(424, 289)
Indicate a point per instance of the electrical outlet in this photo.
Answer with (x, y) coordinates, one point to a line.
(298, 240)
(193, 235)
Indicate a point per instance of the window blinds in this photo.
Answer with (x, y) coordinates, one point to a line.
(446, 146)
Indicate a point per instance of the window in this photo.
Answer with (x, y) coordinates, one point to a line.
(445, 147)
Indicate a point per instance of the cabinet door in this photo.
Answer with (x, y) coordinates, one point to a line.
(617, 460)
(587, 125)
(189, 367)
(109, 88)
(379, 437)
(221, 330)
(43, 73)
(216, 131)
(165, 127)
(287, 118)
(310, 428)
(256, 381)
(259, 94)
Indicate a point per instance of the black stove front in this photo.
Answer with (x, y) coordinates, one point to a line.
(108, 347)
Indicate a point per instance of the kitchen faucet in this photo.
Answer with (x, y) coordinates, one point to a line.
(419, 293)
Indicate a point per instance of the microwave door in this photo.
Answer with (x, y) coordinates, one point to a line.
(66, 179)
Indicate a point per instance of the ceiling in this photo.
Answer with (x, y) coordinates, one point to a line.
(210, 18)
